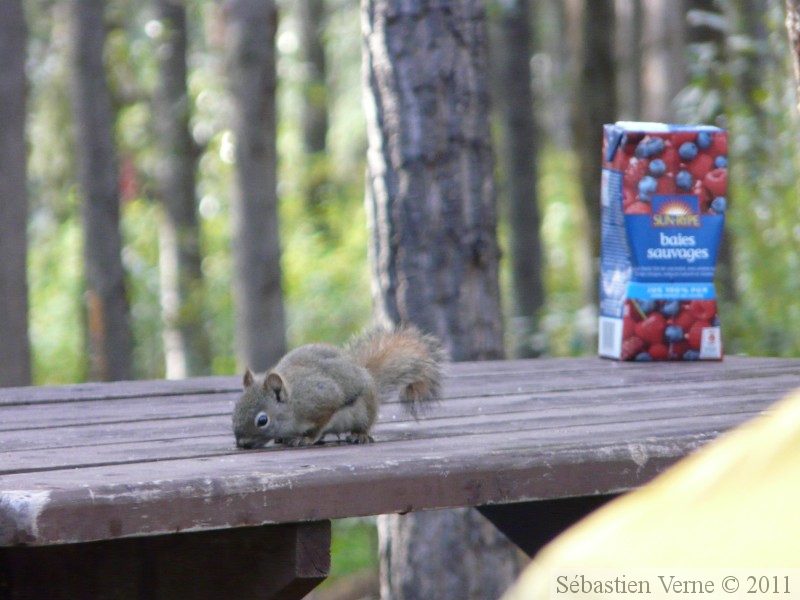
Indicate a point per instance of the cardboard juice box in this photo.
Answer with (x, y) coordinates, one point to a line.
(664, 196)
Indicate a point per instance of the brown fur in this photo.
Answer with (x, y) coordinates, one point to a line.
(405, 360)
(318, 389)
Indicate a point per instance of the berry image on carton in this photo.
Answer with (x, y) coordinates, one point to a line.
(664, 197)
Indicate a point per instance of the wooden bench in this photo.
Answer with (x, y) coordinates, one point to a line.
(135, 490)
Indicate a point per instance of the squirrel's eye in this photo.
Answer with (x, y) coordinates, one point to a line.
(262, 420)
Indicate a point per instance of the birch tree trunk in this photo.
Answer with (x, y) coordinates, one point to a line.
(258, 297)
(186, 345)
(15, 355)
(431, 202)
(98, 174)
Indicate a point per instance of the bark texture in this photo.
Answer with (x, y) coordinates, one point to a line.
(432, 208)
(15, 355)
(98, 174)
(186, 344)
(594, 105)
(430, 192)
(314, 110)
(630, 22)
(664, 69)
(258, 296)
(444, 554)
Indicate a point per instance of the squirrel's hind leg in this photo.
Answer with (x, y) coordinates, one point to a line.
(360, 425)
(298, 441)
(309, 439)
(359, 438)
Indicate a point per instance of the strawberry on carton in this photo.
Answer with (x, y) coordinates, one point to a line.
(664, 197)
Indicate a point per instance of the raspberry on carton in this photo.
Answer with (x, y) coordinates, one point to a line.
(664, 197)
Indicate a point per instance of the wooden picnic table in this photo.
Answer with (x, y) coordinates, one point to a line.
(136, 489)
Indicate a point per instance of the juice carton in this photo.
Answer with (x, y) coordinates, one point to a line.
(664, 196)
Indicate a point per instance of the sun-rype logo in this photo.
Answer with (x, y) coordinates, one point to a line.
(675, 211)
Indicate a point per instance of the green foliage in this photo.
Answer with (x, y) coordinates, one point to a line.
(323, 225)
(140, 224)
(323, 222)
(354, 546)
(325, 270)
(745, 84)
(326, 281)
(55, 279)
(567, 322)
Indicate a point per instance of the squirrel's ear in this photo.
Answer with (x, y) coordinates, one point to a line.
(248, 378)
(275, 383)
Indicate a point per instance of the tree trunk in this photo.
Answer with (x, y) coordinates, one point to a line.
(594, 105)
(15, 355)
(630, 20)
(314, 119)
(430, 194)
(314, 108)
(258, 297)
(431, 202)
(453, 553)
(186, 345)
(664, 69)
(520, 154)
(106, 298)
(556, 41)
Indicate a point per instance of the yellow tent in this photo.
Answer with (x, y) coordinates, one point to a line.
(735, 504)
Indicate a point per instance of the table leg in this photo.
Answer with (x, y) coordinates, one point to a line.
(530, 525)
(280, 562)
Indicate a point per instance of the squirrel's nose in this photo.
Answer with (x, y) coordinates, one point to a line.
(244, 443)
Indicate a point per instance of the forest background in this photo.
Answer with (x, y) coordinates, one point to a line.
(726, 62)
(723, 62)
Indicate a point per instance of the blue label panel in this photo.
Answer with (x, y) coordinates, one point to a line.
(670, 253)
(698, 290)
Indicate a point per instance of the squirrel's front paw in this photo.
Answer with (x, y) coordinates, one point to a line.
(359, 438)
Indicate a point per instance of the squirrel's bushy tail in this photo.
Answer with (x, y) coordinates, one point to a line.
(403, 359)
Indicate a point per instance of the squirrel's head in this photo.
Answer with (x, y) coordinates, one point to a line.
(260, 410)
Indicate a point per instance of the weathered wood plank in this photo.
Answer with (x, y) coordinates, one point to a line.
(118, 390)
(284, 486)
(575, 373)
(163, 440)
(588, 364)
(185, 437)
(132, 410)
(565, 405)
(143, 408)
(148, 458)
